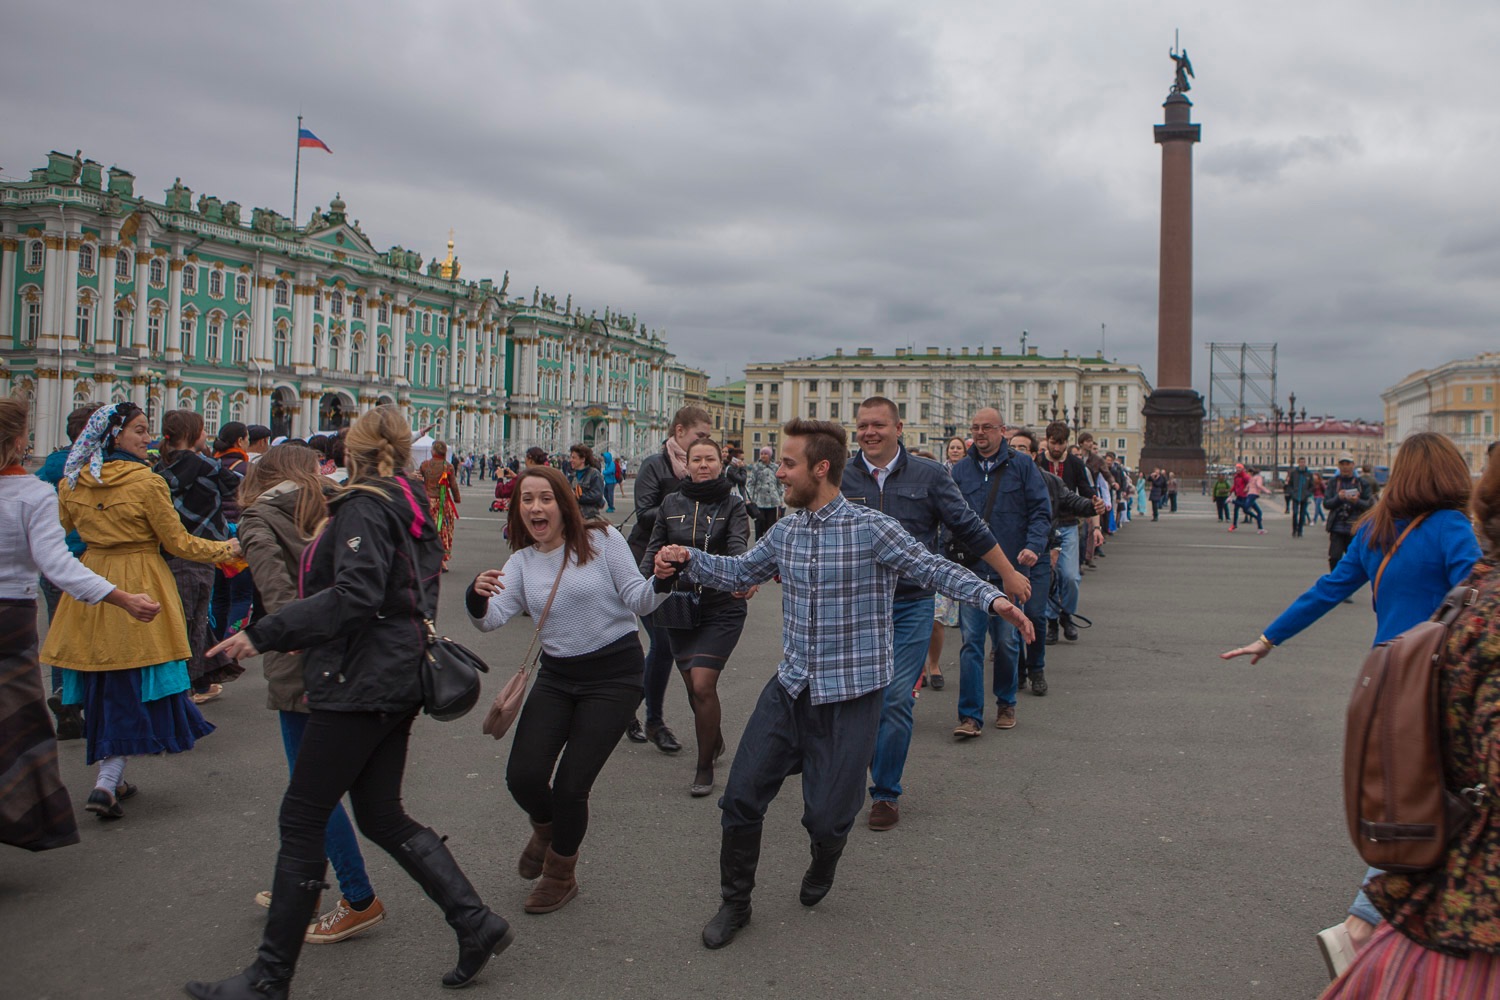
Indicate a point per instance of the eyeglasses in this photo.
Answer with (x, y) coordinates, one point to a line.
(977, 428)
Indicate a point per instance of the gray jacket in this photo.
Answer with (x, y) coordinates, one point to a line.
(923, 497)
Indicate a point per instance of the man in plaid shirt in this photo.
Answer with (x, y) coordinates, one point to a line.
(838, 563)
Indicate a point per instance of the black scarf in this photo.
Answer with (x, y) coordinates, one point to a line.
(712, 491)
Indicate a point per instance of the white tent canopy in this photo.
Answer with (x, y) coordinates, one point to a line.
(421, 449)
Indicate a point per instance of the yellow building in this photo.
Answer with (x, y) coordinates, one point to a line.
(1320, 440)
(939, 389)
(1460, 399)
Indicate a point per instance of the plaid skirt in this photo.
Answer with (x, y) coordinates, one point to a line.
(35, 811)
(1394, 967)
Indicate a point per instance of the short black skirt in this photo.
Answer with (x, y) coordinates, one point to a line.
(711, 643)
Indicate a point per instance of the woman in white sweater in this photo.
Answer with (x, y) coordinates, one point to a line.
(35, 811)
(589, 682)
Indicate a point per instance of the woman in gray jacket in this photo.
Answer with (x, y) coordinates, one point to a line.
(587, 480)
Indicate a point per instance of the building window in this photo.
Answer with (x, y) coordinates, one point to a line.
(215, 338)
(237, 408)
(812, 411)
(84, 327)
(773, 414)
(153, 331)
(1120, 444)
(759, 387)
(119, 327)
(216, 283)
(1088, 416)
(211, 416)
(35, 254)
(1468, 394)
(833, 411)
(237, 343)
(1121, 413)
(383, 314)
(424, 374)
(122, 264)
(283, 294)
(33, 328)
(335, 343)
(356, 354)
(900, 388)
(189, 279)
(317, 301)
(242, 287)
(336, 303)
(281, 344)
(1019, 413)
(156, 272)
(186, 331)
(758, 413)
(411, 353)
(357, 308)
(383, 358)
(317, 347)
(86, 257)
(879, 387)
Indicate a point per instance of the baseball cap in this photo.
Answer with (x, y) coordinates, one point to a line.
(1346, 457)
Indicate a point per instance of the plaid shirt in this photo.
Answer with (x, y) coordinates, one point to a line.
(839, 566)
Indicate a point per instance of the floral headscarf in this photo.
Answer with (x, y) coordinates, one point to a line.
(98, 437)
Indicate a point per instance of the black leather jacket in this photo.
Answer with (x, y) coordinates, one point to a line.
(721, 529)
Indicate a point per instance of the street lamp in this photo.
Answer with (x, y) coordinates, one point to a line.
(1054, 404)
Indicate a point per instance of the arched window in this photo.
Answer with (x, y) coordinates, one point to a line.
(335, 342)
(86, 258)
(356, 354)
(119, 327)
(189, 279)
(237, 407)
(411, 353)
(442, 366)
(185, 400)
(211, 416)
(32, 328)
(215, 348)
(153, 331)
(237, 341)
(156, 272)
(123, 260)
(283, 293)
(317, 347)
(336, 303)
(153, 408)
(35, 255)
(424, 374)
(216, 283)
(383, 314)
(187, 333)
(84, 327)
(281, 344)
(242, 287)
(383, 357)
(356, 308)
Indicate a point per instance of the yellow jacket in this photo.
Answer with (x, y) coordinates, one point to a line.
(125, 519)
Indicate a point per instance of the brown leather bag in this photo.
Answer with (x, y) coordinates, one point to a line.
(507, 705)
(1400, 812)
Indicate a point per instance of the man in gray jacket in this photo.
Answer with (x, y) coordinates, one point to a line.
(920, 494)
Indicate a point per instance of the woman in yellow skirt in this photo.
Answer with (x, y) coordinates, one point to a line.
(131, 680)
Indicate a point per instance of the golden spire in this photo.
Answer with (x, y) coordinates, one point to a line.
(450, 267)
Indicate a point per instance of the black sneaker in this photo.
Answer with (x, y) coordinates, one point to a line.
(69, 719)
(1038, 684)
(1052, 632)
(1069, 630)
(634, 733)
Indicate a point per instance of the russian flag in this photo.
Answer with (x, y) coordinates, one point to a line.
(306, 140)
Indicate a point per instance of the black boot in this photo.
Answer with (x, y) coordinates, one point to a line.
(1069, 630)
(739, 855)
(1051, 631)
(482, 933)
(294, 902)
(819, 877)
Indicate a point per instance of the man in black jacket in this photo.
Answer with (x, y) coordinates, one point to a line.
(920, 494)
(1347, 498)
(1055, 459)
(659, 475)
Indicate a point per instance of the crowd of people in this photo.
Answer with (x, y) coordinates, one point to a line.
(326, 561)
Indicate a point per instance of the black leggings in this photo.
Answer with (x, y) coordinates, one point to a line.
(581, 721)
(362, 753)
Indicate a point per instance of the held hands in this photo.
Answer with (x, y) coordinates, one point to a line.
(1100, 507)
(1257, 651)
(746, 594)
(1013, 614)
(236, 647)
(1026, 557)
(489, 583)
(671, 558)
(1017, 586)
(235, 549)
(1098, 537)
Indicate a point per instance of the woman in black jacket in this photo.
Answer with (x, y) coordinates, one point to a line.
(362, 634)
(202, 490)
(704, 514)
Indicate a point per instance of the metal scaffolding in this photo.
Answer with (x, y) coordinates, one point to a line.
(1241, 385)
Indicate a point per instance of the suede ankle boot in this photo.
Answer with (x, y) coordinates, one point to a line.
(294, 901)
(535, 853)
(482, 933)
(556, 886)
(739, 856)
(819, 877)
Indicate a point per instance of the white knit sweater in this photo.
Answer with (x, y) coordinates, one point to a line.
(596, 603)
(32, 541)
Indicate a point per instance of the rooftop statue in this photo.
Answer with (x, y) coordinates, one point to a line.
(1184, 71)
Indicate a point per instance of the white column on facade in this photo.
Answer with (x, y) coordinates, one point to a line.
(104, 311)
(400, 305)
(302, 333)
(142, 300)
(69, 317)
(172, 383)
(8, 247)
(51, 306)
(172, 335)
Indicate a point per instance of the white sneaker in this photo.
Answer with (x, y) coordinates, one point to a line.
(1337, 948)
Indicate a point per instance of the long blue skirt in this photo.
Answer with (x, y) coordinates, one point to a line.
(117, 723)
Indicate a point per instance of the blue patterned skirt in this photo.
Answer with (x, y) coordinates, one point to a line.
(127, 713)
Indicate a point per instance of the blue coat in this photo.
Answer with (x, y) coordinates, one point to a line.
(1022, 517)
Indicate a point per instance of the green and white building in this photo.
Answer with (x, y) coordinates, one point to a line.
(106, 296)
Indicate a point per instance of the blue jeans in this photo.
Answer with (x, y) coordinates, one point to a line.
(659, 667)
(609, 493)
(339, 842)
(1362, 907)
(1069, 573)
(977, 624)
(913, 620)
(1250, 506)
(1043, 601)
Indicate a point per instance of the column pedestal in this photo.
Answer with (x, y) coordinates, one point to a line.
(1174, 433)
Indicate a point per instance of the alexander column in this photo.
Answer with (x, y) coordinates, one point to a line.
(1174, 412)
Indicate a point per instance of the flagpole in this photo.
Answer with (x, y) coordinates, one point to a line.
(297, 171)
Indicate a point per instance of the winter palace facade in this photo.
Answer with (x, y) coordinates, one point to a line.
(106, 296)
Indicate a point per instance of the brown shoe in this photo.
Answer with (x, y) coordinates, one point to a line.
(530, 865)
(556, 886)
(967, 730)
(884, 815)
(1005, 718)
(343, 921)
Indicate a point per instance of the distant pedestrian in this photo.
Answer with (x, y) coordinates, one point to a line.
(1159, 485)
(1221, 493)
(443, 496)
(610, 470)
(764, 491)
(588, 483)
(1347, 499)
(1172, 491)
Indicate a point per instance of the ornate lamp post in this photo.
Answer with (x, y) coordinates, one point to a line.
(1054, 404)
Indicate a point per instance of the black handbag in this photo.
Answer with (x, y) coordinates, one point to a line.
(683, 608)
(955, 550)
(449, 671)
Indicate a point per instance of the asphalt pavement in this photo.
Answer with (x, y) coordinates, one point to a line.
(1161, 824)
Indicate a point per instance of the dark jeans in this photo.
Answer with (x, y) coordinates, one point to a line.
(1155, 508)
(1172, 501)
(580, 721)
(51, 594)
(609, 494)
(361, 753)
(232, 598)
(1250, 505)
(1034, 655)
(1221, 504)
(1338, 544)
(764, 518)
(829, 745)
(1299, 516)
(659, 666)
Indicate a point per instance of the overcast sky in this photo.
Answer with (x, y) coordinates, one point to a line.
(773, 179)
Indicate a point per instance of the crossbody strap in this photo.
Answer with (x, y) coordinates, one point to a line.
(529, 661)
(1375, 587)
(989, 503)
